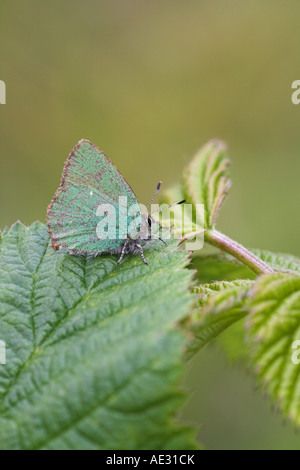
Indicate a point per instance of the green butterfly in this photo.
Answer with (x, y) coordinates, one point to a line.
(90, 186)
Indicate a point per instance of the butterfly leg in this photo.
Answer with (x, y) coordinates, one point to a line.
(158, 238)
(142, 253)
(123, 252)
(162, 241)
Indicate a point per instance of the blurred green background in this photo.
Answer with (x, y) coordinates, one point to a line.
(150, 82)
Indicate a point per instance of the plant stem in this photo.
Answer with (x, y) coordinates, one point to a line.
(225, 243)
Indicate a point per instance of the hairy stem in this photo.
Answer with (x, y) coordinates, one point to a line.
(225, 243)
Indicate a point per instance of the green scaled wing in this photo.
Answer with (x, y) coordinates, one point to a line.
(89, 180)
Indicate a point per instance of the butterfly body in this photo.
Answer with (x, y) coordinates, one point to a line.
(92, 187)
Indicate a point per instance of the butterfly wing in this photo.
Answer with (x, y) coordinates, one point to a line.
(89, 179)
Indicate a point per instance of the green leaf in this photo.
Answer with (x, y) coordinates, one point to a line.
(274, 325)
(219, 267)
(174, 217)
(205, 184)
(93, 355)
(216, 267)
(206, 180)
(279, 261)
(220, 305)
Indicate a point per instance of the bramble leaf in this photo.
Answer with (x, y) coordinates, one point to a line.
(206, 180)
(204, 186)
(220, 304)
(274, 326)
(216, 267)
(219, 267)
(280, 261)
(93, 355)
(174, 217)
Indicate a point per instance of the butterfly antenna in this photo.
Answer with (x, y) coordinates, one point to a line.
(168, 207)
(156, 191)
